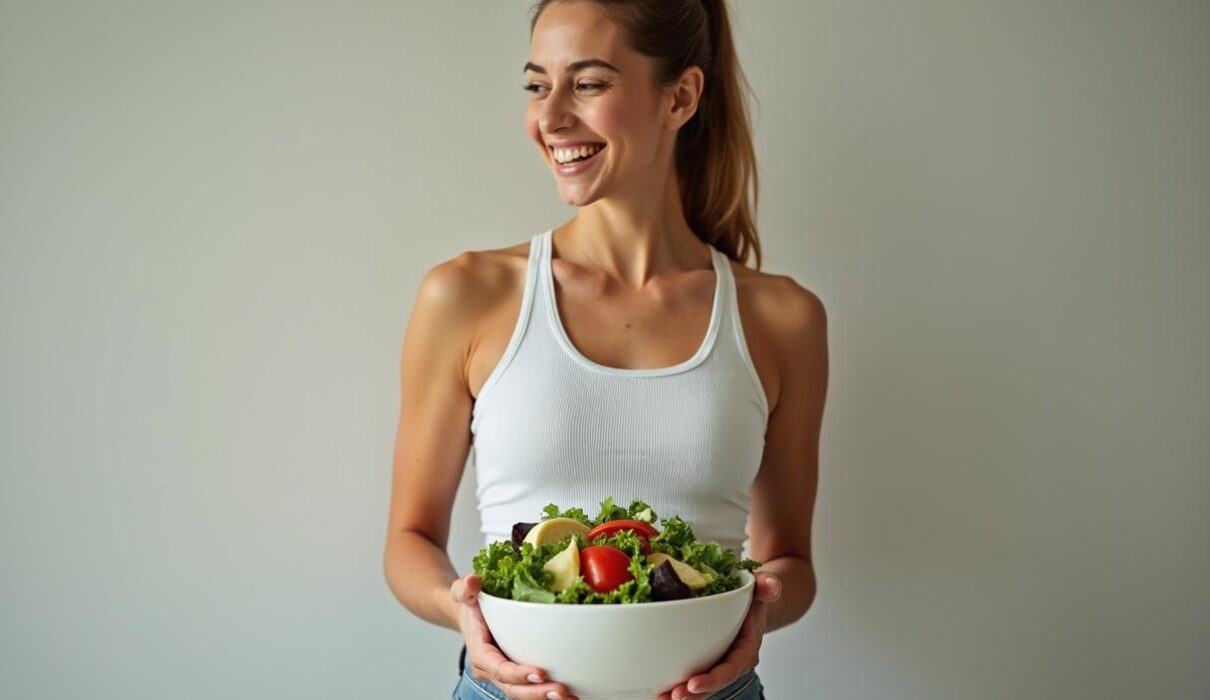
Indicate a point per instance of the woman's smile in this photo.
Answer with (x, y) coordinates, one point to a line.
(574, 159)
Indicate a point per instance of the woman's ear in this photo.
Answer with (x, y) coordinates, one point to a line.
(686, 93)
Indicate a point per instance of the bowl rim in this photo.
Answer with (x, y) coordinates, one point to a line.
(746, 586)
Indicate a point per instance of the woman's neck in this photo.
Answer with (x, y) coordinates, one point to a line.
(633, 236)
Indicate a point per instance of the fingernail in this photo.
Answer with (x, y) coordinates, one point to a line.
(534, 678)
(552, 695)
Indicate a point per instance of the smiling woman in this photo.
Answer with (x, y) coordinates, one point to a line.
(614, 68)
(629, 351)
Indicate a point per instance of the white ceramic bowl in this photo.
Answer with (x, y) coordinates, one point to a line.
(630, 651)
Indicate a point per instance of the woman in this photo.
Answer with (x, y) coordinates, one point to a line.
(622, 353)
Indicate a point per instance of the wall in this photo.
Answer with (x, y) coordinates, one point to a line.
(214, 216)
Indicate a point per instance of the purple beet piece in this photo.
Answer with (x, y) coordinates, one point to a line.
(666, 585)
(520, 530)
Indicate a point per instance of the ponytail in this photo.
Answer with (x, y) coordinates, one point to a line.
(716, 163)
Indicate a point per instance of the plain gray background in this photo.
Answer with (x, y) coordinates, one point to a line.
(215, 216)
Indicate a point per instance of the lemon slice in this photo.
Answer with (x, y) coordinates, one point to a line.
(565, 566)
(554, 530)
(688, 575)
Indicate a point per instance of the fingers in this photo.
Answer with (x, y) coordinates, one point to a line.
(527, 690)
(521, 681)
(487, 662)
(470, 617)
(718, 677)
(768, 587)
(466, 589)
(498, 668)
(743, 655)
(679, 693)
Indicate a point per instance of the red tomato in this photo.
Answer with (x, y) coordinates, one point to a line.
(604, 567)
(641, 528)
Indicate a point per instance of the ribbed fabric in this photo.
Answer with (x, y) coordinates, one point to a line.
(552, 426)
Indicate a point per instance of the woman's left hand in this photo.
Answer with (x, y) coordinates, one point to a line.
(745, 650)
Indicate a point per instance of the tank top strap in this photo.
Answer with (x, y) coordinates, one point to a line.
(545, 308)
(528, 302)
(731, 328)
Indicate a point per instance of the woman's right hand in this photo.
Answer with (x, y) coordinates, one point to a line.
(487, 662)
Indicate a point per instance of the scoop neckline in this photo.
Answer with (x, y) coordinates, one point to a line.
(565, 340)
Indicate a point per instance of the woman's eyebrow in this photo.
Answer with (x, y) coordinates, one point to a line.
(575, 66)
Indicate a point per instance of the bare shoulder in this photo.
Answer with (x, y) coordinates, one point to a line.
(471, 279)
(781, 318)
(460, 291)
(782, 306)
(465, 303)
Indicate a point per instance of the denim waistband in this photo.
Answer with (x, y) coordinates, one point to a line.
(732, 690)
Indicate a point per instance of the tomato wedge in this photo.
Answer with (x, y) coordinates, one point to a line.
(642, 528)
(604, 567)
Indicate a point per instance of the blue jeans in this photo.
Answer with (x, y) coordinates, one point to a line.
(746, 687)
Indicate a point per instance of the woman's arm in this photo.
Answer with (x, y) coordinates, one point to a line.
(432, 441)
(783, 493)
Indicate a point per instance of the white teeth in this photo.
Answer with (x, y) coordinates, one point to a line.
(563, 155)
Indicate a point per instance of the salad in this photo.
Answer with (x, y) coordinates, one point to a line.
(618, 557)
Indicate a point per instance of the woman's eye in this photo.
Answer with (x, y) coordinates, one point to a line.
(535, 88)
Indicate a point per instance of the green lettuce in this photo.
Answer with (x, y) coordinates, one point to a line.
(552, 511)
(508, 574)
(637, 510)
(495, 565)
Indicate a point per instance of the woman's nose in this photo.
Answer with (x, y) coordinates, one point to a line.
(555, 112)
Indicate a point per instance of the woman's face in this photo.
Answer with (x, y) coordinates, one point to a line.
(589, 90)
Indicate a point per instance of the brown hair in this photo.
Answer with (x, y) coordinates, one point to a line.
(715, 158)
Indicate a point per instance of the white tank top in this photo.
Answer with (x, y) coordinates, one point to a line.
(552, 426)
